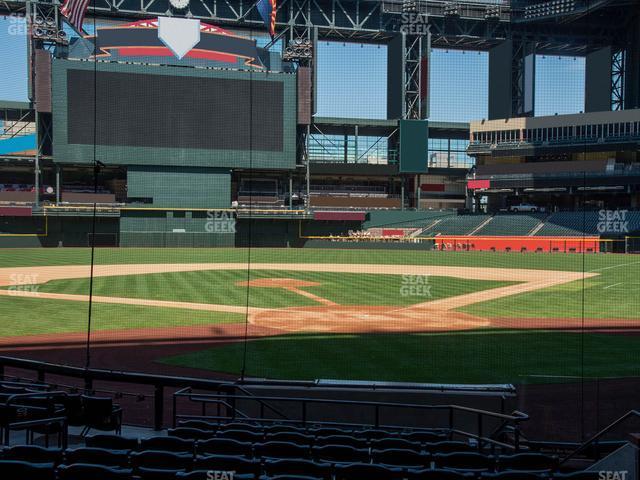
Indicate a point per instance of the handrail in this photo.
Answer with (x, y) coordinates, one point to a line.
(227, 390)
(516, 415)
(604, 431)
(505, 419)
(270, 407)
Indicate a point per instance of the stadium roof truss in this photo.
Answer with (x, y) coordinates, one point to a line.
(474, 25)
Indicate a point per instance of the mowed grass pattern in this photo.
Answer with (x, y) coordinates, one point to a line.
(33, 316)
(224, 287)
(465, 357)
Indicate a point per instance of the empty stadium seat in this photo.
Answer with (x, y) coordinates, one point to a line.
(361, 471)
(341, 440)
(199, 424)
(152, 459)
(97, 456)
(281, 450)
(84, 471)
(527, 461)
(327, 431)
(100, 413)
(241, 435)
(448, 446)
(190, 433)
(149, 473)
(401, 458)
(340, 453)
(206, 475)
(438, 474)
(290, 436)
(584, 475)
(283, 428)
(21, 470)
(169, 444)
(469, 461)
(224, 446)
(274, 467)
(424, 436)
(372, 434)
(513, 475)
(399, 443)
(114, 442)
(228, 463)
(33, 453)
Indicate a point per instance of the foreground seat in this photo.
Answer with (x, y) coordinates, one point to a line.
(97, 456)
(112, 442)
(226, 463)
(341, 440)
(396, 457)
(425, 436)
(273, 467)
(340, 454)
(464, 461)
(33, 454)
(206, 475)
(580, 476)
(396, 443)
(527, 461)
(224, 446)
(514, 475)
(168, 444)
(152, 459)
(438, 474)
(100, 413)
(84, 471)
(20, 470)
(189, 433)
(360, 471)
(291, 436)
(241, 435)
(448, 446)
(281, 450)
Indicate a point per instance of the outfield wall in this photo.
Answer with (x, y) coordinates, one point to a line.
(519, 244)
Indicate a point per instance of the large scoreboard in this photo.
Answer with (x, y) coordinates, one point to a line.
(142, 114)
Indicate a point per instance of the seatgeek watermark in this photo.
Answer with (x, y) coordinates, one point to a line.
(23, 285)
(613, 221)
(220, 475)
(613, 474)
(17, 25)
(413, 23)
(415, 286)
(220, 221)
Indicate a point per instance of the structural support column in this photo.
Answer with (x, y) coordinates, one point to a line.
(632, 67)
(408, 57)
(58, 194)
(512, 71)
(598, 81)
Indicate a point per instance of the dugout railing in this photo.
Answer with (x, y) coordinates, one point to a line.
(487, 427)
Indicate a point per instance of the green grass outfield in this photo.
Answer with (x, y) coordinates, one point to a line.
(480, 356)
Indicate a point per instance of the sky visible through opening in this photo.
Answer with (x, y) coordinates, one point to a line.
(351, 79)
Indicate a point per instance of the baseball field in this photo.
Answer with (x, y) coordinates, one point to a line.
(427, 316)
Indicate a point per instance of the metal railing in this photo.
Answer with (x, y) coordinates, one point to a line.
(600, 434)
(510, 422)
(227, 395)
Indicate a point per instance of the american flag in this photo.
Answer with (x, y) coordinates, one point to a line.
(75, 10)
(267, 10)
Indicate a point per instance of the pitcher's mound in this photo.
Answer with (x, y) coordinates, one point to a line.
(277, 283)
(365, 319)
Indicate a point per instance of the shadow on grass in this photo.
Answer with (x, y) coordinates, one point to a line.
(479, 356)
